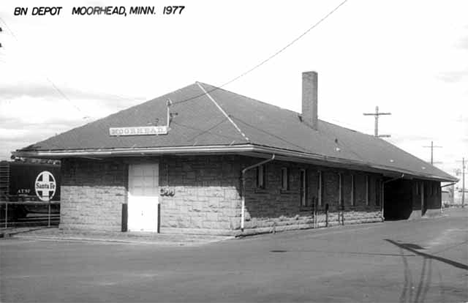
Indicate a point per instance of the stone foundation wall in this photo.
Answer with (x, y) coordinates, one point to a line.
(273, 209)
(92, 194)
(204, 194)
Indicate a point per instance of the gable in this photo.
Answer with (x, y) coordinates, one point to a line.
(215, 120)
(196, 123)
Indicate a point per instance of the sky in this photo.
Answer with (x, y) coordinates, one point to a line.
(410, 58)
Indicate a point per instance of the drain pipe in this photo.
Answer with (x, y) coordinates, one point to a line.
(243, 187)
(450, 184)
(383, 193)
(442, 202)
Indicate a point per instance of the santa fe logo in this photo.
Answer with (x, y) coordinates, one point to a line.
(45, 186)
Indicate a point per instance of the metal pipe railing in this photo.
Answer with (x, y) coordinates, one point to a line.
(15, 215)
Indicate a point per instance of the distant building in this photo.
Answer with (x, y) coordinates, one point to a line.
(217, 162)
(458, 196)
(447, 198)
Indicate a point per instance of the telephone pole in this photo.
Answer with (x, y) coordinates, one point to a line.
(432, 150)
(463, 182)
(376, 115)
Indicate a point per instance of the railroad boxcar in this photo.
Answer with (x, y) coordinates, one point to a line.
(34, 184)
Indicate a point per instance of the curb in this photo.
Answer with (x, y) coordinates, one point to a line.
(110, 240)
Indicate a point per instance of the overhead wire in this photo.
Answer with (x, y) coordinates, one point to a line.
(56, 88)
(8, 28)
(203, 131)
(258, 65)
(269, 58)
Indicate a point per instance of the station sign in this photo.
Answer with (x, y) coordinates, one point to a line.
(138, 131)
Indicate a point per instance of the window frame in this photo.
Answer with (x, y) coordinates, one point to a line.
(367, 190)
(378, 192)
(261, 177)
(320, 189)
(303, 190)
(341, 189)
(285, 179)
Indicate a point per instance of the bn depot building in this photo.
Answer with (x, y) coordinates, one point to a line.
(215, 162)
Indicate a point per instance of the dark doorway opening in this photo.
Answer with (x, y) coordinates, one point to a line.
(398, 197)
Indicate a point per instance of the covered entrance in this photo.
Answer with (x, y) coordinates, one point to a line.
(398, 197)
(143, 197)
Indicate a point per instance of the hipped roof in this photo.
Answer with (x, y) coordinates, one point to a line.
(212, 119)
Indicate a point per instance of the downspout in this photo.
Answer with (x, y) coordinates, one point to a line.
(441, 202)
(243, 187)
(450, 184)
(383, 193)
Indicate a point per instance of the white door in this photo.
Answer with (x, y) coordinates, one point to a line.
(143, 197)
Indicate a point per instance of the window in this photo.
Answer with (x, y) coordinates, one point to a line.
(320, 188)
(367, 191)
(303, 189)
(261, 177)
(340, 189)
(377, 192)
(284, 178)
(353, 190)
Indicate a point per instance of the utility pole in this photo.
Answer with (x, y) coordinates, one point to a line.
(376, 115)
(432, 150)
(463, 182)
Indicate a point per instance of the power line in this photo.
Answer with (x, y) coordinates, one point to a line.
(8, 28)
(47, 78)
(376, 115)
(270, 57)
(64, 96)
(288, 45)
(242, 74)
(204, 131)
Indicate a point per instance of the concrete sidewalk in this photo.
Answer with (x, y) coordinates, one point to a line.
(176, 239)
(56, 234)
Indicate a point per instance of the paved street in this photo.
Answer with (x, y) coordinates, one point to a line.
(404, 261)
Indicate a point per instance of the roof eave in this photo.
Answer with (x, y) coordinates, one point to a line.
(132, 152)
(350, 164)
(245, 149)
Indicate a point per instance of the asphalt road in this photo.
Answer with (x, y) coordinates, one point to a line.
(405, 261)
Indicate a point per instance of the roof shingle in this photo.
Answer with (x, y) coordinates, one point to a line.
(201, 121)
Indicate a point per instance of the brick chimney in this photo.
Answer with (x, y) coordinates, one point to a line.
(309, 99)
